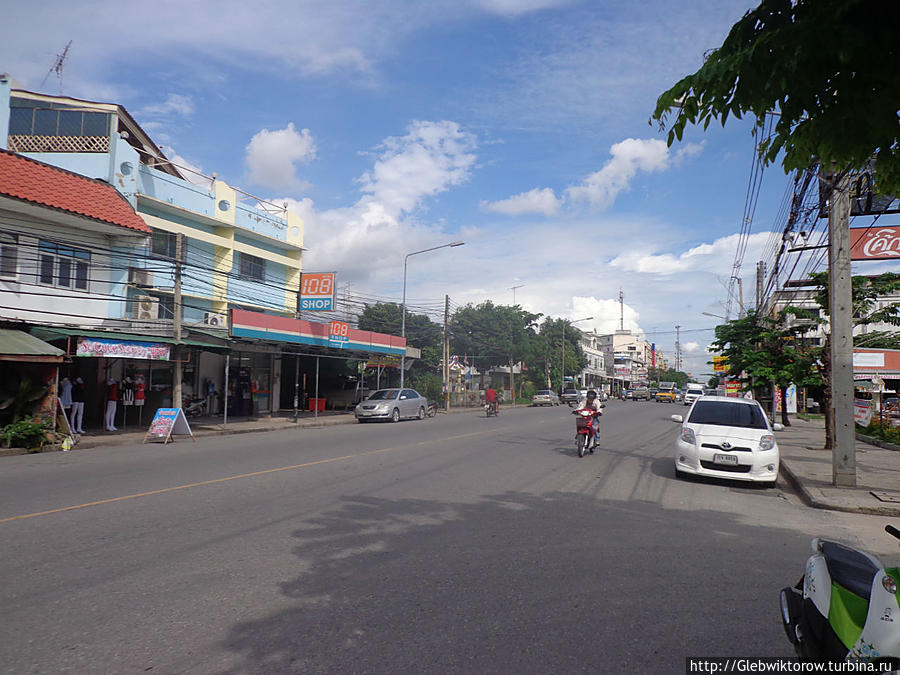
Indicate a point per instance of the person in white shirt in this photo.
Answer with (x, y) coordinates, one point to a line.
(591, 402)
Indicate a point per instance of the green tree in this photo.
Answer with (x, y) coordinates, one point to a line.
(769, 349)
(551, 331)
(827, 67)
(494, 335)
(421, 332)
(866, 294)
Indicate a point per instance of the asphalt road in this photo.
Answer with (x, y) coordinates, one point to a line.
(456, 544)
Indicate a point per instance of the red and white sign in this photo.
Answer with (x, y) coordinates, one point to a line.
(339, 334)
(875, 243)
(862, 411)
(317, 291)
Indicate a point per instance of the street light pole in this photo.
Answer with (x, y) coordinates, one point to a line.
(403, 306)
(562, 378)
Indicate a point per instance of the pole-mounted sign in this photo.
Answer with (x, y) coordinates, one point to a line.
(317, 292)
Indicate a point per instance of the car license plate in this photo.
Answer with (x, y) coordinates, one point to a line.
(725, 459)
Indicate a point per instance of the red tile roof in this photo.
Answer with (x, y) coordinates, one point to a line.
(39, 183)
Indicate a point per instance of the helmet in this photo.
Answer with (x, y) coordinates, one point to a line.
(592, 394)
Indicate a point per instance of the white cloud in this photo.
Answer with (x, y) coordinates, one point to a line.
(691, 347)
(518, 7)
(716, 257)
(193, 172)
(431, 158)
(538, 200)
(628, 157)
(272, 157)
(606, 313)
(362, 239)
(175, 104)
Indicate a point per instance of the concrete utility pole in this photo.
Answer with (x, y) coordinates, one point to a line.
(760, 281)
(446, 369)
(678, 348)
(178, 371)
(840, 302)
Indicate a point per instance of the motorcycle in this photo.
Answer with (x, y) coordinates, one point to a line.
(491, 408)
(194, 407)
(584, 429)
(845, 607)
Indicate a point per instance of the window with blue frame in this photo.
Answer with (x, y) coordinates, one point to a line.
(63, 266)
(27, 118)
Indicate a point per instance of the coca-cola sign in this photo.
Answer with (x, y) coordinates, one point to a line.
(875, 243)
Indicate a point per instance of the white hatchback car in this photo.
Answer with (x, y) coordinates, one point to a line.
(726, 437)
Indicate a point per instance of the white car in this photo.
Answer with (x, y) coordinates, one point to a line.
(726, 437)
(692, 393)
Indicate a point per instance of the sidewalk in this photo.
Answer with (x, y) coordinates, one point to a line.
(212, 426)
(808, 469)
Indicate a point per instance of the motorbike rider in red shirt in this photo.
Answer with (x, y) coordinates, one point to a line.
(593, 403)
(490, 397)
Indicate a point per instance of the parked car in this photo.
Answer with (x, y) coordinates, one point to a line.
(545, 397)
(727, 438)
(393, 405)
(569, 396)
(640, 394)
(653, 391)
(628, 394)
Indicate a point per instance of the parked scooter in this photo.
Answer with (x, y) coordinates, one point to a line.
(194, 407)
(846, 607)
(584, 429)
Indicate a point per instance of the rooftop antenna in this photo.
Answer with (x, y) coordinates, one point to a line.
(57, 67)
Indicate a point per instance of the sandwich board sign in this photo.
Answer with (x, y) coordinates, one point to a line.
(166, 423)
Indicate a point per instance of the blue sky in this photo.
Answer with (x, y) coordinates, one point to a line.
(520, 126)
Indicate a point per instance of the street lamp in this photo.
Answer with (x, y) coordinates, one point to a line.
(714, 315)
(562, 377)
(403, 306)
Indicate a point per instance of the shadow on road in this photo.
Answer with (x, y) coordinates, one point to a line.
(522, 583)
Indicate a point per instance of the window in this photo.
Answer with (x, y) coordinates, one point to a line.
(253, 267)
(720, 413)
(63, 266)
(164, 244)
(30, 118)
(9, 254)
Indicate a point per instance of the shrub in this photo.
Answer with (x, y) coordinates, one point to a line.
(882, 429)
(28, 432)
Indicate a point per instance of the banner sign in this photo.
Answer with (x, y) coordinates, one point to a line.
(720, 364)
(383, 362)
(317, 292)
(733, 388)
(339, 334)
(623, 372)
(119, 349)
(862, 411)
(166, 422)
(875, 243)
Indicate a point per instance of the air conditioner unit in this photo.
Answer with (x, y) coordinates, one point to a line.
(146, 307)
(140, 277)
(213, 319)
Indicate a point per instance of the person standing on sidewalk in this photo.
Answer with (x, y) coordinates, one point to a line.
(77, 406)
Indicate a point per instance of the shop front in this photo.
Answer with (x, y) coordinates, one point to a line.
(30, 369)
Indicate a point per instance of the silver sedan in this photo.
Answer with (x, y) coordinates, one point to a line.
(393, 405)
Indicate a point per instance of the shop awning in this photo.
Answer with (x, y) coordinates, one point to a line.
(17, 345)
(55, 333)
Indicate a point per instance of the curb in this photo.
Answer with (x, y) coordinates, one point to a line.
(877, 442)
(88, 443)
(817, 503)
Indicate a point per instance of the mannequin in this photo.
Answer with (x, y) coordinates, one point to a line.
(65, 392)
(77, 406)
(139, 390)
(112, 398)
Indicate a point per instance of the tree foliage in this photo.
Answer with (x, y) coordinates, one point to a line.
(828, 68)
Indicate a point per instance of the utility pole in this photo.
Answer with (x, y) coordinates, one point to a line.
(678, 348)
(446, 370)
(621, 310)
(760, 280)
(840, 302)
(176, 322)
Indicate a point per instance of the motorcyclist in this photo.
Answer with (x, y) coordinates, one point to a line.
(490, 398)
(591, 402)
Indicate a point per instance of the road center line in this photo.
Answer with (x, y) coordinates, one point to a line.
(229, 478)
